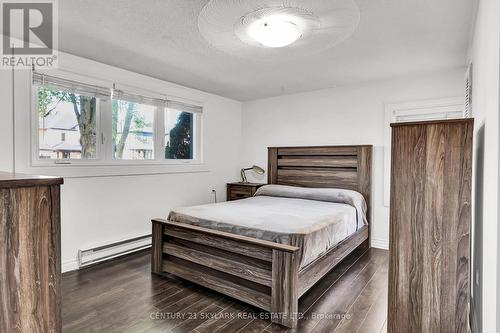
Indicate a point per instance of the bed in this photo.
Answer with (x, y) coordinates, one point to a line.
(270, 249)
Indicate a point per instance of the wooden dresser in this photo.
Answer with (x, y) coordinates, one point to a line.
(240, 190)
(430, 220)
(30, 262)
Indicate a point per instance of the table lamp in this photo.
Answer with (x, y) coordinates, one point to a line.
(257, 169)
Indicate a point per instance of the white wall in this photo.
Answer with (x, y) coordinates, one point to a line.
(98, 210)
(6, 123)
(351, 114)
(485, 56)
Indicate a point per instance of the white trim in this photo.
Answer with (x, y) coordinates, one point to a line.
(423, 109)
(69, 265)
(79, 171)
(380, 243)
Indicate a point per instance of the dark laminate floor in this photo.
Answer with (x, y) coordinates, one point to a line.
(123, 296)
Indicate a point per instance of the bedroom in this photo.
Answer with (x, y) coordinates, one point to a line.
(148, 72)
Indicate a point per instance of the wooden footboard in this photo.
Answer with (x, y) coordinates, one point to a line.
(258, 272)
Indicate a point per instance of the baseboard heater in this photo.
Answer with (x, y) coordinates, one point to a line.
(109, 251)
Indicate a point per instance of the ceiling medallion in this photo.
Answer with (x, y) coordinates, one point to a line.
(266, 29)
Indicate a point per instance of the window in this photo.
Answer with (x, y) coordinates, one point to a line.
(79, 123)
(179, 127)
(132, 130)
(67, 124)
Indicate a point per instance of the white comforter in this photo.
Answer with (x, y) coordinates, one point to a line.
(314, 226)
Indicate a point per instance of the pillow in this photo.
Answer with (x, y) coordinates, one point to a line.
(349, 197)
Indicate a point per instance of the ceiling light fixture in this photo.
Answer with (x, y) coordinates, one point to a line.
(274, 31)
(266, 30)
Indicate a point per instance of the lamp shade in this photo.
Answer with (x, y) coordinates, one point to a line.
(258, 170)
(255, 168)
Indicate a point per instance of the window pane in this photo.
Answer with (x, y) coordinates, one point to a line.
(67, 125)
(179, 134)
(132, 130)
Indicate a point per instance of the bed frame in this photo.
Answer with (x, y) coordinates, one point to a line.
(258, 272)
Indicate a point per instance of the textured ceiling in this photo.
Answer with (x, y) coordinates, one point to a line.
(160, 38)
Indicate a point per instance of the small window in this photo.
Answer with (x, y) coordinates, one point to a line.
(132, 130)
(67, 124)
(179, 135)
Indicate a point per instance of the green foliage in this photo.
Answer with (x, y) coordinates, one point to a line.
(48, 99)
(180, 145)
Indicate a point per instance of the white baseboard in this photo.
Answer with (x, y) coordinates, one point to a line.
(380, 243)
(69, 265)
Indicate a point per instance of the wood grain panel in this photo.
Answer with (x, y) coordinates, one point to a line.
(252, 247)
(224, 244)
(272, 162)
(322, 151)
(30, 258)
(407, 186)
(315, 184)
(347, 176)
(220, 263)
(457, 217)
(245, 259)
(170, 226)
(364, 173)
(215, 282)
(318, 178)
(430, 226)
(319, 161)
(312, 273)
(284, 297)
(433, 228)
(54, 258)
(156, 248)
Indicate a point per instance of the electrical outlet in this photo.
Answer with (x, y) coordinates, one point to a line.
(214, 193)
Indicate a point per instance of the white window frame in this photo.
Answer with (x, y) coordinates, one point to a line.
(104, 164)
(434, 109)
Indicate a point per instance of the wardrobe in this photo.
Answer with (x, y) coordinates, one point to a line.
(430, 223)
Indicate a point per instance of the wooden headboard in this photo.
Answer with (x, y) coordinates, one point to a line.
(347, 167)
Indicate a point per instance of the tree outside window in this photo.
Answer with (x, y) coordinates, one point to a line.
(179, 135)
(70, 116)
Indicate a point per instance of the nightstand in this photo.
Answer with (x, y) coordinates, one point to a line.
(237, 191)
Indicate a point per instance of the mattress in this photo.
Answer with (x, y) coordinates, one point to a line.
(285, 215)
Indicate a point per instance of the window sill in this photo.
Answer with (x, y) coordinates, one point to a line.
(88, 171)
